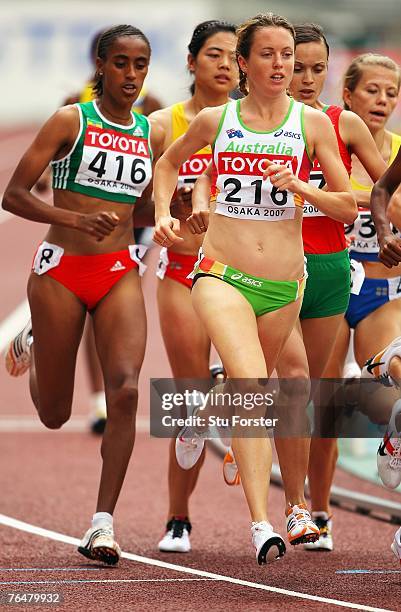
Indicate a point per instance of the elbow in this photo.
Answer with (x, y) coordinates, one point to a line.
(6, 203)
(352, 210)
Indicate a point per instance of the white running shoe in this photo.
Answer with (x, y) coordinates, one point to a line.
(18, 354)
(269, 546)
(389, 452)
(396, 544)
(230, 469)
(98, 415)
(188, 448)
(325, 541)
(377, 367)
(99, 544)
(176, 538)
(300, 527)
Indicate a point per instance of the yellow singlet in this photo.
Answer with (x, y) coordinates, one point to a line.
(395, 145)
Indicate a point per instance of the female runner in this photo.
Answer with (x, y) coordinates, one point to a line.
(101, 157)
(248, 317)
(211, 61)
(371, 88)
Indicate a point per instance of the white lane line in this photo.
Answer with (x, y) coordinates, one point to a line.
(60, 537)
(12, 325)
(32, 425)
(111, 580)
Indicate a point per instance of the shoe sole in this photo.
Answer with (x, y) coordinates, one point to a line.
(174, 550)
(394, 548)
(305, 538)
(272, 550)
(107, 555)
(13, 367)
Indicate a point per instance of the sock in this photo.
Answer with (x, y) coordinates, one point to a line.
(393, 425)
(101, 518)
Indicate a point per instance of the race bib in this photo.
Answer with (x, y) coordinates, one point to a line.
(47, 256)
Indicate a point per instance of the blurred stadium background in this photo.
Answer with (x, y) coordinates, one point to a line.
(44, 43)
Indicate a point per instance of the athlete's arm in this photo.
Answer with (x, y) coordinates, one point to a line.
(57, 135)
(385, 204)
(201, 132)
(337, 202)
(357, 136)
(198, 221)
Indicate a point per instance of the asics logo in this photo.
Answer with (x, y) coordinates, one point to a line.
(237, 276)
(294, 135)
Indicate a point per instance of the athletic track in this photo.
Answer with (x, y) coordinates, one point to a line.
(48, 491)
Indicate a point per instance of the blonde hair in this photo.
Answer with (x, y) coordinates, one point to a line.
(355, 70)
(245, 34)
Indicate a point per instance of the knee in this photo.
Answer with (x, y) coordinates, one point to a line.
(124, 395)
(53, 421)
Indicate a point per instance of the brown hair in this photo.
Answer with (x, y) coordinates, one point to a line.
(355, 69)
(310, 32)
(245, 34)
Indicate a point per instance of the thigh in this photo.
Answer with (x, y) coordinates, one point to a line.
(377, 330)
(274, 329)
(319, 338)
(293, 361)
(230, 323)
(335, 363)
(185, 338)
(120, 331)
(58, 319)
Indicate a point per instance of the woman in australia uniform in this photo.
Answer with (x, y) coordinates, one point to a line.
(212, 62)
(248, 285)
(102, 161)
(328, 289)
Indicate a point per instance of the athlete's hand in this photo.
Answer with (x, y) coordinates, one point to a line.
(390, 251)
(281, 177)
(181, 205)
(198, 222)
(166, 231)
(99, 225)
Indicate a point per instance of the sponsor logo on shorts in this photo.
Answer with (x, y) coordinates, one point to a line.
(117, 266)
(246, 279)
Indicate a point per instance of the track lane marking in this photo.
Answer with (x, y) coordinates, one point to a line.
(60, 537)
(33, 424)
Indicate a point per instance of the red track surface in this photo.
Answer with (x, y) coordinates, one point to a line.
(49, 479)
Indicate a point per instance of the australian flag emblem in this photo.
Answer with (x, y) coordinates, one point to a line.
(232, 133)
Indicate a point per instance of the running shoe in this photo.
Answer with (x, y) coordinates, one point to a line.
(99, 544)
(18, 354)
(389, 452)
(98, 416)
(377, 367)
(269, 546)
(217, 372)
(230, 469)
(300, 527)
(176, 538)
(325, 541)
(188, 448)
(396, 544)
